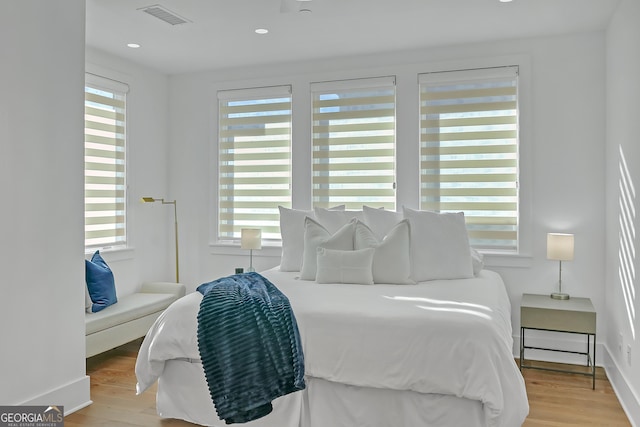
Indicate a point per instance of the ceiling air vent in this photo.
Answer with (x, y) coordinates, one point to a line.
(164, 14)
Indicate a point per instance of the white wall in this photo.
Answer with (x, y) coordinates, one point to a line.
(150, 227)
(42, 328)
(563, 131)
(623, 148)
(41, 233)
(42, 121)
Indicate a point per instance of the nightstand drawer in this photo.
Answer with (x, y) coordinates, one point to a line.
(573, 315)
(558, 320)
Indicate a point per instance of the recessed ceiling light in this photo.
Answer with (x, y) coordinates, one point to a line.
(505, 1)
(261, 31)
(133, 45)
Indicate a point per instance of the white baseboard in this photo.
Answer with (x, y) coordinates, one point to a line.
(628, 397)
(73, 396)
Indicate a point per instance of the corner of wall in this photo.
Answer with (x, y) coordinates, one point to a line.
(628, 397)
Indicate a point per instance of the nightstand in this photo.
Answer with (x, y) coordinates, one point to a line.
(575, 315)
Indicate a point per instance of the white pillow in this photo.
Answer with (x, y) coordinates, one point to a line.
(477, 259)
(315, 235)
(292, 232)
(392, 258)
(336, 266)
(332, 219)
(381, 221)
(87, 299)
(439, 246)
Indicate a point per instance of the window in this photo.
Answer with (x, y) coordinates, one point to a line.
(469, 151)
(354, 143)
(255, 159)
(104, 163)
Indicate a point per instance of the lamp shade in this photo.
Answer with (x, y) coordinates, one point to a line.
(560, 246)
(251, 238)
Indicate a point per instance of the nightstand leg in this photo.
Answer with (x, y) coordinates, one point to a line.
(521, 347)
(593, 366)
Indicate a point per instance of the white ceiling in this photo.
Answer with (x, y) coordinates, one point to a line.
(221, 34)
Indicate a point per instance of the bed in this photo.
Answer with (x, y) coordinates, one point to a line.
(434, 352)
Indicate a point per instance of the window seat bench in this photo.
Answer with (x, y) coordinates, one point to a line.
(130, 318)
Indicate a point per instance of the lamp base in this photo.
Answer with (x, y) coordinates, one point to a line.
(250, 270)
(558, 295)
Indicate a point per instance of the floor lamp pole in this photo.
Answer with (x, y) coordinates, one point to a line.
(175, 217)
(175, 222)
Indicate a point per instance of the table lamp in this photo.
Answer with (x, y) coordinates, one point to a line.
(251, 238)
(560, 247)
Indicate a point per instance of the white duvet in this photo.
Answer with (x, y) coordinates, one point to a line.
(446, 336)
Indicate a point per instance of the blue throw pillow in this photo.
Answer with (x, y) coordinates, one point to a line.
(100, 282)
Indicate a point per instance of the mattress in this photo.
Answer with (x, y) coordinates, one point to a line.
(442, 340)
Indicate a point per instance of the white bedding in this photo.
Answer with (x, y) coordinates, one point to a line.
(448, 337)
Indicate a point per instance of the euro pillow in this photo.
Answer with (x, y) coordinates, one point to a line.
(392, 257)
(337, 266)
(439, 246)
(292, 233)
(315, 236)
(332, 219)
(381, 221)
(100, 283)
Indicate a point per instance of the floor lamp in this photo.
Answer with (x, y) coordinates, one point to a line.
(175, 217)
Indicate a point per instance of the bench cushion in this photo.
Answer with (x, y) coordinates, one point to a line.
(127, 308)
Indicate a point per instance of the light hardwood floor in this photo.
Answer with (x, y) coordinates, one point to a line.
(555, 399)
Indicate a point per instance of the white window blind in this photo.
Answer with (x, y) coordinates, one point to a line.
(255, 159)
(354, 143)
(104, 162)
(469, 151)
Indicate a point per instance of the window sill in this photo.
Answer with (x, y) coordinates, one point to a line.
(514, 260)
(112, 254)
(269, 249)
(274, 250)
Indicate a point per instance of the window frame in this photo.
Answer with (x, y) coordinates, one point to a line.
(116, 191)
(472, 83)
(337, 185)
(258, 94)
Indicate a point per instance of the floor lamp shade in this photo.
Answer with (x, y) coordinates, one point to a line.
(560, 248)
(251, 238)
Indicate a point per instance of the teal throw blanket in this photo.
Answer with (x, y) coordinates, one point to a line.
(249, 344)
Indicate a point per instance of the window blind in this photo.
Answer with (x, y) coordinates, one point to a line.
(469, 151)
(255, 159)
(354, 143)
(104, 162)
